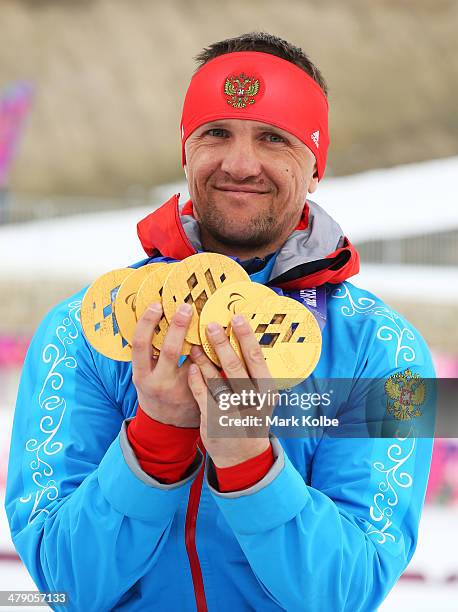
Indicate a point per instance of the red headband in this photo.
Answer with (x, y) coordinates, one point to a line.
(261, 87)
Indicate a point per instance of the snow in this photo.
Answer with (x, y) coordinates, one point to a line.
(428, 284)
(80, 247)
(422, 597)
(396, 202)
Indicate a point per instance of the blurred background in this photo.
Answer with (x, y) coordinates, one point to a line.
(90, 101)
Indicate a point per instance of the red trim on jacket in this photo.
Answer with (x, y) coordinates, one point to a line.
(328, 275)
(190, 536)
(246, 474)
(304, 220)
(187, 209)
(166, 452)
(162, 231)
(163, 451)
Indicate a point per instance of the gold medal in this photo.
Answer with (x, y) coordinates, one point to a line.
(151, 291)
(227, 301)
(98, 317)
(289, 336)
(194, 280)
(126, 299)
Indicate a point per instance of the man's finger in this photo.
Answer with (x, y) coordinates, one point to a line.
(216, 384)
(229, 359)
(233, 367)
(142, 347)
(253, 355)
(208, 369)
(199, 389)
(250, 348)
(172, 346)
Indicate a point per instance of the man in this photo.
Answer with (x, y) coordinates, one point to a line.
(118, 496)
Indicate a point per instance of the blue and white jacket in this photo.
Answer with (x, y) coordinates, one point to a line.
(330, 527)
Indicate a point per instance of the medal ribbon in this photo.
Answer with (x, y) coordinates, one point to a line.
(314, 299)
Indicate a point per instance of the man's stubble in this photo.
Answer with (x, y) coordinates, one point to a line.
(259, 232)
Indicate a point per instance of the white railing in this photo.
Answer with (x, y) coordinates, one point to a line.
(435, 249)
(17, 208)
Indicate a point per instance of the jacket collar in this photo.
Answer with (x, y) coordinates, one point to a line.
(316, 253)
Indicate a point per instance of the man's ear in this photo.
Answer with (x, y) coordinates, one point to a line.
(313, 181)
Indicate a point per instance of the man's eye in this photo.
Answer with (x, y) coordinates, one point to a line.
(217, 132)
(274, 137)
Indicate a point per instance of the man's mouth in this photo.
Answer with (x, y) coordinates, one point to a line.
(241, 189)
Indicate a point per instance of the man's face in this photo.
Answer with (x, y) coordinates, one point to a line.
(248, 182)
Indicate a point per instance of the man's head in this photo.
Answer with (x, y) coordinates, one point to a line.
(254, 130)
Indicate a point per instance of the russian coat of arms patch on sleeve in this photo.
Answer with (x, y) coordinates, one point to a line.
(406, 392)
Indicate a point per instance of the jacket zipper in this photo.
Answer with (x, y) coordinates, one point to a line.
(190, 537)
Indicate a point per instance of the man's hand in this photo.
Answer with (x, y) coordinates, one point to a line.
(162, 387)
(256, 376)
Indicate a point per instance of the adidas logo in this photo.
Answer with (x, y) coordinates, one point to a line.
(316, 138)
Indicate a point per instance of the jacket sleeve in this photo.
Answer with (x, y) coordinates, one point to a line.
(77, 501)
(341, 542)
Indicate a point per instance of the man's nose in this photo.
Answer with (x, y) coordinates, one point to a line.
(240, 159)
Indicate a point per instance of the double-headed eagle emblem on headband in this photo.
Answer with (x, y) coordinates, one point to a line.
(241, 90)
(406, 393)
